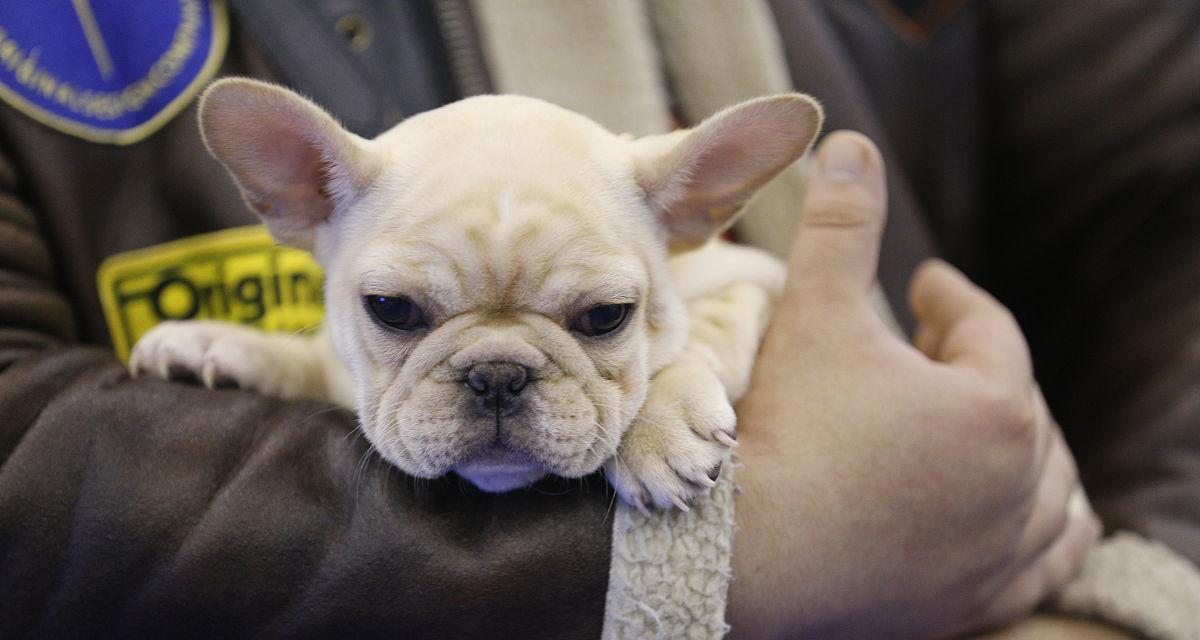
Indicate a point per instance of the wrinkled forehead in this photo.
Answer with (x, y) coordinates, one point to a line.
(517, 246)
(492, 141)
(507, 202)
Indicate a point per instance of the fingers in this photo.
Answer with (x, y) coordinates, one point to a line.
(1060, 561)
(1057, 484)
(928, 341)
(1061, 530)
(841, 222)
(966, 325)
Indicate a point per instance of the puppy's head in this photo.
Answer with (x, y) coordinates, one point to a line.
(496, 268)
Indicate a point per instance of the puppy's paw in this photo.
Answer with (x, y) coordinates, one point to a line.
(222, 355)
(674, 449)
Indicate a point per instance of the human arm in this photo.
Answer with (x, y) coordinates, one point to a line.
(146, 508)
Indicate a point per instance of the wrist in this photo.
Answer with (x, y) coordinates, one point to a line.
(756, 604)
(1051, 627)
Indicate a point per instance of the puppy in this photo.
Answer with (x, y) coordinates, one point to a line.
(511, 290)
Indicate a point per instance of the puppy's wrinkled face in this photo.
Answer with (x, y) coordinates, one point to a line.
(498, 299)
(496, 269)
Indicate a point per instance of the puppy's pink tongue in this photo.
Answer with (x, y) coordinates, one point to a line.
(498, 469)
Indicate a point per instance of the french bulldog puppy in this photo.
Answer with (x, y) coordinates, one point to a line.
(511, 290)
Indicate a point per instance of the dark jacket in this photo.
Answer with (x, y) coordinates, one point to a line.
(1022, 140)
(140, 508)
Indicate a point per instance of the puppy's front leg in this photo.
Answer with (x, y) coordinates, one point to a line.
(674, 449)
(224, 354)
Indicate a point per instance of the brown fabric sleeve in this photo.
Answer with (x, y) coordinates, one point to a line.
(143, 508)
(1136, 584)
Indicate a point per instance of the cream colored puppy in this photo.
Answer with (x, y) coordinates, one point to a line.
(511, 290)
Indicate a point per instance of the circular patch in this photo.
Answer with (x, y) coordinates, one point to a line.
(110, 71)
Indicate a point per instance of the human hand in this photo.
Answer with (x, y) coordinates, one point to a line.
(892, 490)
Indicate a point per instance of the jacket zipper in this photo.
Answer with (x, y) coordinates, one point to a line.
(462, 47)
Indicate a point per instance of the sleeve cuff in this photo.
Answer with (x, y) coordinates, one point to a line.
(670, 570)
(1137, 584)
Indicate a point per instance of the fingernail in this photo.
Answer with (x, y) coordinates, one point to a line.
(843, 159)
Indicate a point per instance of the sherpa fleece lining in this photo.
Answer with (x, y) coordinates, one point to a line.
(670, 570)
(1138, 584)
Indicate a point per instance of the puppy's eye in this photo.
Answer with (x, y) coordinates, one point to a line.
(603, 319)
(396, 312)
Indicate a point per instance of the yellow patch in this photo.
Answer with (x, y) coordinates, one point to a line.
(237, 275)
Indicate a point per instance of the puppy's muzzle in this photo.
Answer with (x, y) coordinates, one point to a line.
(497, 387)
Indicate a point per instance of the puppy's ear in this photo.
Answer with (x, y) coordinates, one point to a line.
(697, 180)
(295, 165)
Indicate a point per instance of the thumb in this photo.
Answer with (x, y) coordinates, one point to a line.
(836, 250)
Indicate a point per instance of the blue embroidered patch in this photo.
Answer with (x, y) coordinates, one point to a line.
(111, 71)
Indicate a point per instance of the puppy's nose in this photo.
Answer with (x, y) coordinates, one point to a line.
(498, 381)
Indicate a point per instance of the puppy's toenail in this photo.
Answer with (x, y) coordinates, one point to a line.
(727, 439)
(714, 473)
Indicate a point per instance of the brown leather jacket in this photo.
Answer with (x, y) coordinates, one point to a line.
(1049, 148)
